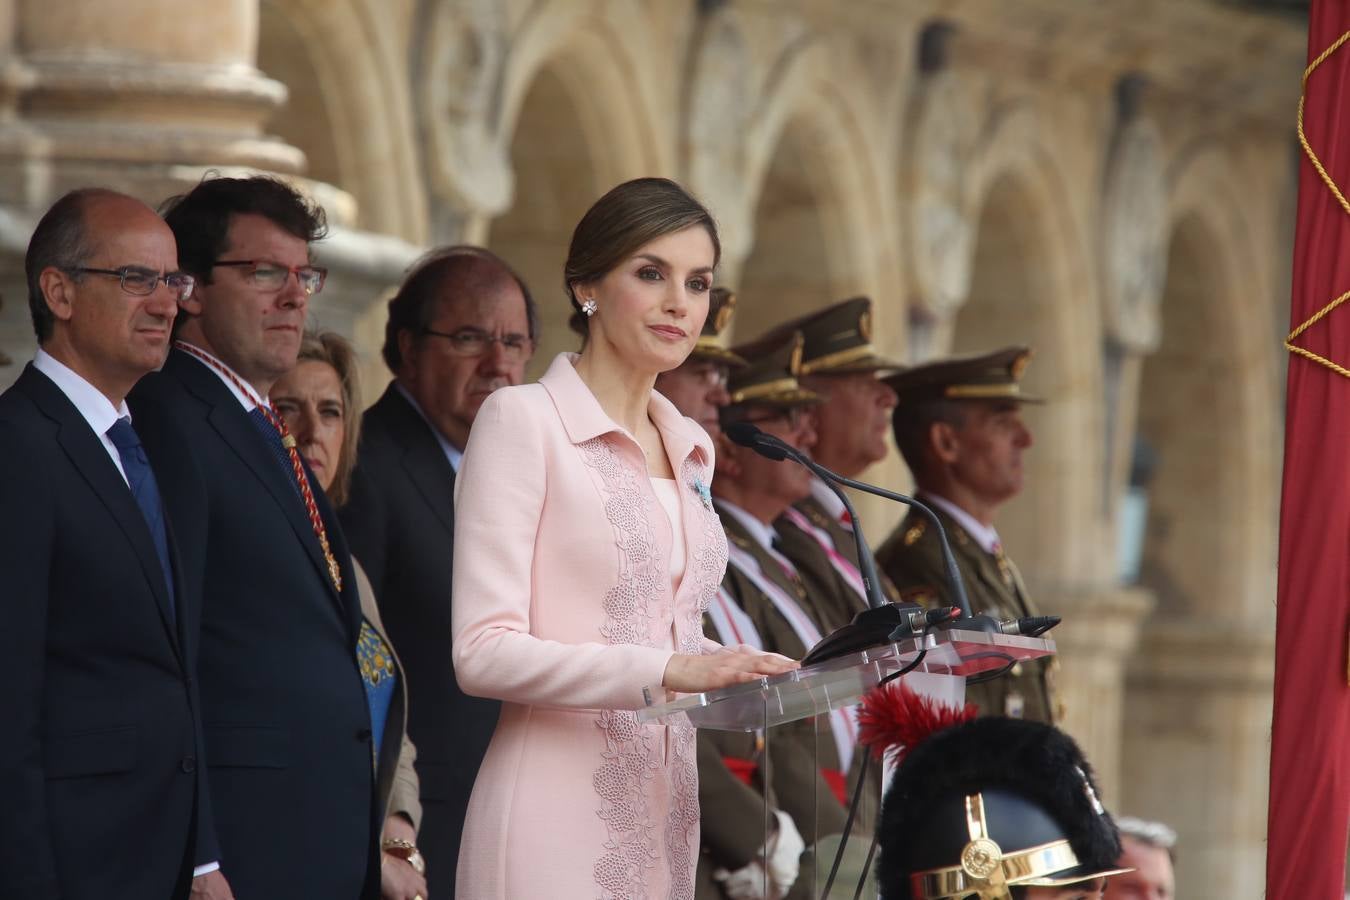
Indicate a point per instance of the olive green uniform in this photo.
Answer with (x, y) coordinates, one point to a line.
(798, 751)
(912, 558)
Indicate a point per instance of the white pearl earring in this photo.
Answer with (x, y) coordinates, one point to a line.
(588, 308)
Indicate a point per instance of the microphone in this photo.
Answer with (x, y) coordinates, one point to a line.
(879, 625)
(770, 447)
(1026, 626)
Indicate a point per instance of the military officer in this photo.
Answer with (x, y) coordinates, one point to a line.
(731, 786)
(840, 364)
(959, 427)
(750, 494)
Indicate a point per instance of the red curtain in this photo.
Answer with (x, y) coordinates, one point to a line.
(1310, 745)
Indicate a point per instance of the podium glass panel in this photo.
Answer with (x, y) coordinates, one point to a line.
(842, 681)
(809, 755)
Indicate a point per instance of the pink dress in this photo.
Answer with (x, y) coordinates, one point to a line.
(565, 608)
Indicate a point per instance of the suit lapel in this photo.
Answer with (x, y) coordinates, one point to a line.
(239, 433)
(434, 476)
(89, 457)
(769, 566)
(981, 563)
(841, 537)
(423, 458)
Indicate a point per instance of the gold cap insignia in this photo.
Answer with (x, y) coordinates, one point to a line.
(1019, 365)
(914, 533)
(865, 325)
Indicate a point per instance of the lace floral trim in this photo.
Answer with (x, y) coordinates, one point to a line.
(631, 759)
(709, 562)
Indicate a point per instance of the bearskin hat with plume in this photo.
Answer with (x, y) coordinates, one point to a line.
(946, 755)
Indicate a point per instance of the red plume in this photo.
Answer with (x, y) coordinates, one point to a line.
(895, 718)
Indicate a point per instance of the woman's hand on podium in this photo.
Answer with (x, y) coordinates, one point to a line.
(689, 673)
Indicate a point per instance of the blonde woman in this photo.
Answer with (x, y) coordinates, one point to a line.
(317, 400)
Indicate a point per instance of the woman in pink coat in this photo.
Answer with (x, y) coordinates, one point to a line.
(586, 549)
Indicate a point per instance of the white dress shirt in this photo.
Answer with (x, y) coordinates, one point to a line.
(833, 506)
(95, 408)
(762, 533)
(452, 453)
(246, 398)
(984, 535)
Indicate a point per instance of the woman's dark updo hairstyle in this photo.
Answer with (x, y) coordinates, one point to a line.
(619, 223)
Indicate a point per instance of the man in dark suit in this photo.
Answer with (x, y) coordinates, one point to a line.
(461, 326)
(288, 734)
(98, 768)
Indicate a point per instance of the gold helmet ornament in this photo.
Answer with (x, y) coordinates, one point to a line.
(979, 806)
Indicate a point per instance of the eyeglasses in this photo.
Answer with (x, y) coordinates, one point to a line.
(272, 276)
(142, 282)
(476, 342)
(709, 375)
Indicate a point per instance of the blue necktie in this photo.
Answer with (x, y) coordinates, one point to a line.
(273, 439)
(146, 491)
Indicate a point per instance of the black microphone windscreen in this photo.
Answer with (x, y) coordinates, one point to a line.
(743, 433)
(766, 445)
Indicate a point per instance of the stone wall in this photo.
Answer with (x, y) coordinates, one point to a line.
(1110, 182)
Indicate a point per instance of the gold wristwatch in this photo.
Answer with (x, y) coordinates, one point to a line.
(405, 850)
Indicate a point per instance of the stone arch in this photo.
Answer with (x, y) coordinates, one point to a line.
(348, 107)
(1209, 410)
(579, 125)
(1198, 692)
(1026, 281)
(822, 225)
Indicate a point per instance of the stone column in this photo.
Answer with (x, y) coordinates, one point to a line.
(1195, 753)
(123, 93)
(137, 96)
(143, 97)
(1098, 636)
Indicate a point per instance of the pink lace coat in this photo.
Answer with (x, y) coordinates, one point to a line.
(564, 609)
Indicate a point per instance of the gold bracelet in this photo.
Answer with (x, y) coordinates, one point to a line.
(406, 851)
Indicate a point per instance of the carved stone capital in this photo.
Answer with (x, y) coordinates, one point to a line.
(1134, 228)
(943, 130)
(110, 111)
(719, 108)
(460, 66)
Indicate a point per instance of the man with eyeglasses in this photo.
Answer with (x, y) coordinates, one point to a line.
(461, 325)
(288, 741)
(102, 797)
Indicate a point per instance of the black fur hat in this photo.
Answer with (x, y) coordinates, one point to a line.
(1024, 786)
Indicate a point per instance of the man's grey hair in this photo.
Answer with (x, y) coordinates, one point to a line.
(1154, 834)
